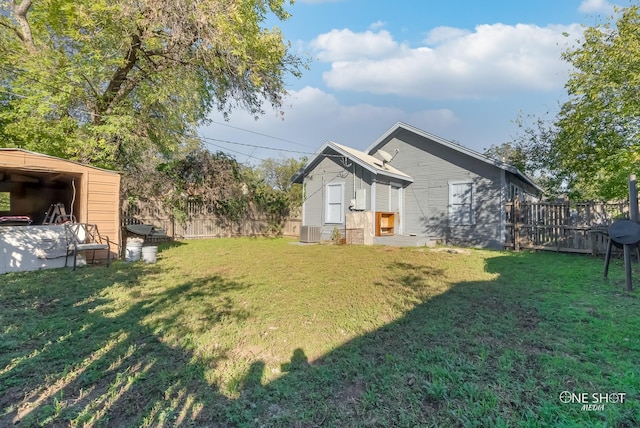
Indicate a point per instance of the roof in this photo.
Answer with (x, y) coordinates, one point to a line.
(454, 146)
(368, 162)
(25, 164)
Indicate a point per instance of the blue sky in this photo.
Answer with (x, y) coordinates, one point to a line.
(464, 70)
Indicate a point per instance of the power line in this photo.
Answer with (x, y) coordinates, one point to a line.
(256, 146)
(261, 134)
(206, 140)
(31, 77)
(234, 151)
(201, 137)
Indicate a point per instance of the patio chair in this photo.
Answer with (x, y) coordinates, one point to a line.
(85, 237)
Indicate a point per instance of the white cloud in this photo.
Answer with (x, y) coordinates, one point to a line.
(345, 45)
(377, 25)
(312, 109)
(312, 105)
(444, 34)
(596, 6)
(311, 117)
(453, 63)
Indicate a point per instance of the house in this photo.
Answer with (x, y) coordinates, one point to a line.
(412, 183)
(33, 183)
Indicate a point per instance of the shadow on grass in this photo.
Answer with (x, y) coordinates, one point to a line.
(168, 245)
(490, 353)
(94, 365)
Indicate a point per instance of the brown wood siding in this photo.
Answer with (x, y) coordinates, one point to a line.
(103, 203)
(36, 162)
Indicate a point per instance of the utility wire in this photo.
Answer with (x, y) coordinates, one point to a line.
(207, 140)
(256, 146)
(30, 76)
(261, 134)
(201, 137)
(234, 151)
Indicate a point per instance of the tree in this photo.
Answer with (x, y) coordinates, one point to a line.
(277, 173)
(211, 181)
(597, 146)
(531, 153)
(108, 82)
(509, 153)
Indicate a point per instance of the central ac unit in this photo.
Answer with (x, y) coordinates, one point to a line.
(310, 233)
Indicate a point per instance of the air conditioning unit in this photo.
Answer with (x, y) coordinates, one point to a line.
(310, 233)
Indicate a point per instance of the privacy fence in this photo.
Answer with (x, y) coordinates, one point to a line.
(200, 223)
(573, 227)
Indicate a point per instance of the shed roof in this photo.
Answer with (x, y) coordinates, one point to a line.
(21, 158)
(368, 162)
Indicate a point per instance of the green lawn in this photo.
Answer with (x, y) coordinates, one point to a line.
(258, 332)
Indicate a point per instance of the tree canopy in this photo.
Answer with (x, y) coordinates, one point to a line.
(596, 146)
(107, 82)
(510, 153)
(276, 175)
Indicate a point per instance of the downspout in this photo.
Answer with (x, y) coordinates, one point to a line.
(354, 179)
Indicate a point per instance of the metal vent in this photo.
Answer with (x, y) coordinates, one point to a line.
(310, 233)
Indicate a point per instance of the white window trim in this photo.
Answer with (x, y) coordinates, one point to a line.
(326, 208)
(473, 203)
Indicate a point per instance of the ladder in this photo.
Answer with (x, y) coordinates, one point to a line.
(57, 214)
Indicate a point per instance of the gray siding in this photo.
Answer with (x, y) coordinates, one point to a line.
(332, 170)
(382, 196)
(426, 200)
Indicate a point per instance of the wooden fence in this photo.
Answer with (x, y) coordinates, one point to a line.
(200, 223)
(574, 227)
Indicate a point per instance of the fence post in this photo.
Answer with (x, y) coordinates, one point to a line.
(633, 198)
(633, 216)
(516, 224)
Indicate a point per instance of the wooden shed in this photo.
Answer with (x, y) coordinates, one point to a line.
(30, 183)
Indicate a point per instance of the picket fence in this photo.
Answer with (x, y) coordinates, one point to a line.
(573, 227)
(201, 224)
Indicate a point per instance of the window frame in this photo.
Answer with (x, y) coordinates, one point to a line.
(329, 213)
(456, 209)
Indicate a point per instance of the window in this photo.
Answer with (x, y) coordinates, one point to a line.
(335, 203)
(514, 192)
(461, 204)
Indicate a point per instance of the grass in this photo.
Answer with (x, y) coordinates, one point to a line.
(258, 332)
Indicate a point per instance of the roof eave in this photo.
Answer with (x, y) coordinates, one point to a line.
(453, 146)
(298, 177)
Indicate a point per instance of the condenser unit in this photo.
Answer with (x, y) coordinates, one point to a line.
(310, 233)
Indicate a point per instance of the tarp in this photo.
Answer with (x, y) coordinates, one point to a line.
(24, 248)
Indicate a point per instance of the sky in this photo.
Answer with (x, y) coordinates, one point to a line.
(465, 70)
